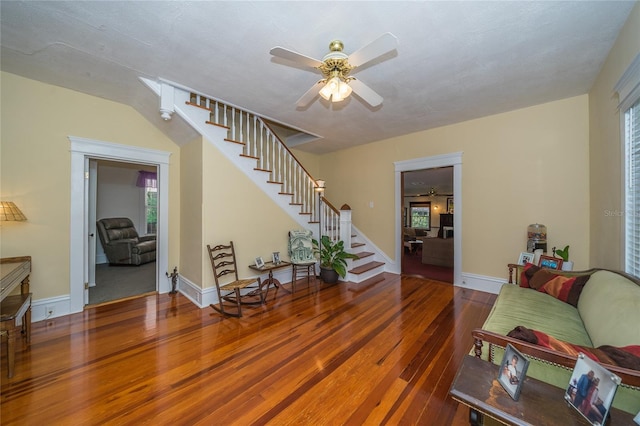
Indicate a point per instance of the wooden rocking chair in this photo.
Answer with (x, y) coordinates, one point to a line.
(223, 262)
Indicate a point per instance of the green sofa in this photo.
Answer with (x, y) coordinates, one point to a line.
(607, 313)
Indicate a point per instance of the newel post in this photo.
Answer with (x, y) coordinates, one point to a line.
(345, 226)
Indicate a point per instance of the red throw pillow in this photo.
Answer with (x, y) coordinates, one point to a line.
(627, 356)
(527, 272)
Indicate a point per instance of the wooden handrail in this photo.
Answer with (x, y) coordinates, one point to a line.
(331, 206)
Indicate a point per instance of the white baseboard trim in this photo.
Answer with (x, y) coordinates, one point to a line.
(60, 305)
(190, 291)
(207, 296)
(481, 283)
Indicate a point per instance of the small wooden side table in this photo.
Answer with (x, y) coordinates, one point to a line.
(476, 386)
(270, 267)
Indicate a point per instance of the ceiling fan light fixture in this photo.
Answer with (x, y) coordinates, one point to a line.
(326, 92)
(336, 90)
(344, 89)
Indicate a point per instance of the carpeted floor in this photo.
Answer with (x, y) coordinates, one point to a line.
(412, 265)
(118, 282)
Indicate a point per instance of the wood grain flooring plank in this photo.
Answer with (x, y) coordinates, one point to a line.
(382, 352)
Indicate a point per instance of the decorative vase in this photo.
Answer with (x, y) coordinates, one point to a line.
(567, 266)
(328, 275)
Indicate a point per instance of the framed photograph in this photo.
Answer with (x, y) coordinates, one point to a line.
(276, 257)
(591, 390)
(525, 257)
(550, 262)
(449, 205)
(259, 262)
(512, 371)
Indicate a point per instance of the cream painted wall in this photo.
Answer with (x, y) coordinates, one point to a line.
(35, 170)
(235, 209)
(607, 172)
(521, 167)
(191, 244)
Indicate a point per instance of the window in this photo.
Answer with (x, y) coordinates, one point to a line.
(628, 89)
(420, 215)
(151, 209)
(632, 189)
(148, 181)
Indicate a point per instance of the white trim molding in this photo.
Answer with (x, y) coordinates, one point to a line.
(203, 297)
(453, 159)
(81, 151)
(482, 283)
(628, 87)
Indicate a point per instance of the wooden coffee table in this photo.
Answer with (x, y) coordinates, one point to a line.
(477, 387)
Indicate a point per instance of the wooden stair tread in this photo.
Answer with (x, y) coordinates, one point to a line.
(356, 245)
(364, 254)
(366, 267)
(231, 140)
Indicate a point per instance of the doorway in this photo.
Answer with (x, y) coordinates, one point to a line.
(126, 190)
(453, 160)
(81, 151)
(428, 223)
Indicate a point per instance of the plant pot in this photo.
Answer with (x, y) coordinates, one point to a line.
(567, 266)
(328, 275)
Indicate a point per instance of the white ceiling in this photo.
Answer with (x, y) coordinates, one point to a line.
(455, 60)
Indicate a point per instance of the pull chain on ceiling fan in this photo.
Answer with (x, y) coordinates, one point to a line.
(336, 66)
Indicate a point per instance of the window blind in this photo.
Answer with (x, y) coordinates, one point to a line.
(632, 190)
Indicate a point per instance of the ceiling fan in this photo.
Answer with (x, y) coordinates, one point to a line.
(336, 67)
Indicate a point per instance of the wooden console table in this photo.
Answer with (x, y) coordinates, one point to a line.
(476, 386)
(15, 310)
(270, 267)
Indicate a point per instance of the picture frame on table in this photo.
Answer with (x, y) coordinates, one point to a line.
(449, 205)
(525, 257)
(550, 262)
(513, 370)
(259, 262)
(591, 390)
(275, 258)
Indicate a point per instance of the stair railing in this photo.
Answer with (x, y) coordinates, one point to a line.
(272, 155)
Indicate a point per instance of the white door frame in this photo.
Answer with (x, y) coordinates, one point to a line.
(93, 234)
(81, 150)
(445, 160)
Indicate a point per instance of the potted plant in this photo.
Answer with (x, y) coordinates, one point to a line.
(564, 255)
(333, 259)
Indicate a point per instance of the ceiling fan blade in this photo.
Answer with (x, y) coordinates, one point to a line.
(365, 92)
(383, 44)
(290, 55)
(310, 95)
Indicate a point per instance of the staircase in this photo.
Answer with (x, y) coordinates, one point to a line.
(252, 145)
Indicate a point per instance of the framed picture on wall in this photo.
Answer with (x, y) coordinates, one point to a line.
(449, 205)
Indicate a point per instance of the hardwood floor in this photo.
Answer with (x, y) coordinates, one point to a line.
(378, 353)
